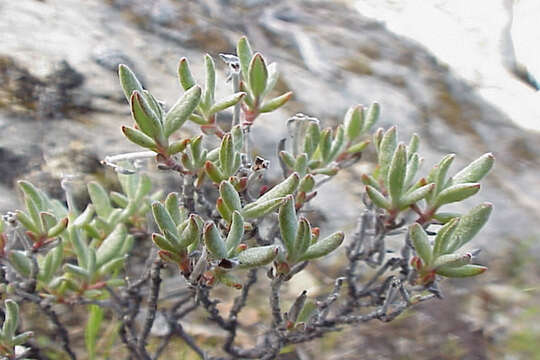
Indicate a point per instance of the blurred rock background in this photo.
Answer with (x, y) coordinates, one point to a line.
(490, 43)
(462, 84)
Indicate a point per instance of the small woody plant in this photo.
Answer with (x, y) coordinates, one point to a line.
(211, 230)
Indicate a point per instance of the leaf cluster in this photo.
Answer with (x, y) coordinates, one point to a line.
(87, 252)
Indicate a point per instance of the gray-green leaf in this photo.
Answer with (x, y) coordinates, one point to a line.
(180, 112)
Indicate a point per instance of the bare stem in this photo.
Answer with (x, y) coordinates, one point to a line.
(128, 341)
(238, 305)
(188, 193)
(179, 330)
(247, 139)
(274, 302)
(60, 328)
(155, 281)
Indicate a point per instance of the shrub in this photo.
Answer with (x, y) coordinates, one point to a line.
(210, 231)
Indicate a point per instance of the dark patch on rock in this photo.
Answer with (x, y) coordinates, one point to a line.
(19, 90)
(57, 94)
(65, 77)
(12, 165)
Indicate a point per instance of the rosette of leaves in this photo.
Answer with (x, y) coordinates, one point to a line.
(207, 109)
(393, 187)
(229, 200)
(153, 126)
(98, 263)
(442, 257)
(41, 220)
(317, 151)
(230, 252)
(230, 207)
(462, 185)
(180, 233)
(230, 247)
(258, 80)
(8, 334)
(180, 236)
(301, 242)
(225, 160)
(129, 207)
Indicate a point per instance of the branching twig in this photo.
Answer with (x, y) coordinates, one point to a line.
(128, 341)
(203, 294)
(388, 265)
(60, 328)
(179, 330)
(295, 270)
(239, 303)
(155, 281)
(324, 306)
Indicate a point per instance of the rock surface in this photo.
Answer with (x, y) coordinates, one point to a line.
(59, 89)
